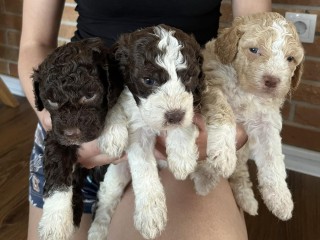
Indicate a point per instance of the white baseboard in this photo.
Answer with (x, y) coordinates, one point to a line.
(296, 159)
(302, 160)
(13, 84)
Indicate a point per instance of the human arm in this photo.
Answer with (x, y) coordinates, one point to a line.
(40, 26)
(246, 7)
(241, 136)
(91, 156)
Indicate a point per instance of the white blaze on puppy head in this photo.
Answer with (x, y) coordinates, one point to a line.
(162, 73)
(265, 54)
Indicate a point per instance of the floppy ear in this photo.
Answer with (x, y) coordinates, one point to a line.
(120, 55)
(36, 90)
(121, 51)
(296, 78)
(99, 52)
(226, 45)
(201, 85)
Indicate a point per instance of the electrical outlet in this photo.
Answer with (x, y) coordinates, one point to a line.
(305, 25)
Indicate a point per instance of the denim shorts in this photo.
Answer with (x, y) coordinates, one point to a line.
(37, 180)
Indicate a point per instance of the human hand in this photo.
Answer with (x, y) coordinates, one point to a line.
(160, 149)
(45, 119)
(89, 156)
(160, 152)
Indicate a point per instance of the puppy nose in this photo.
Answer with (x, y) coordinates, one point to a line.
(174, 116)
(270, 81)
(72, 132)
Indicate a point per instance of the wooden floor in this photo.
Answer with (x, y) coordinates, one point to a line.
(16, 136)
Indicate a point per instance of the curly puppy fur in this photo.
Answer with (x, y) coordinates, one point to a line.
(161, 67)
(250, 69)
(73, 84)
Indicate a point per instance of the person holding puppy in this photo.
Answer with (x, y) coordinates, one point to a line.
(215, 216)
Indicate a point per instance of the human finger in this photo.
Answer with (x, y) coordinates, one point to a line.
(101, 159)
(89, 155)
(198, 120)
(45, 119)
(241, 137)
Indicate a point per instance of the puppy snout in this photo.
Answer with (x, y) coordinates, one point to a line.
(174, 116)
(72, 132)
(270, 81)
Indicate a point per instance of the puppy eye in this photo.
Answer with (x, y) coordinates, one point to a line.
(290, 59)
(53, 104)
(88, 98)
(254, 50)
(149, 81)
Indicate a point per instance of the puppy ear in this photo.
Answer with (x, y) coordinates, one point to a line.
(121, 51)
(226, 45)
(99, 52)
(296, 78)
(200, 87)
(36, 90)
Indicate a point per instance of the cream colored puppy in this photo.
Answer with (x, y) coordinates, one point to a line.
(250, 69)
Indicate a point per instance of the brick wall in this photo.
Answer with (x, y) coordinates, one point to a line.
(301, 114)
(10, 25)
(68, 23)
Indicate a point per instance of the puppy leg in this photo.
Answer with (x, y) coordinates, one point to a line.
(150, 204)
(221, 143)
(114, 137)
(78, 176)
(57, 221)
(221, 127)
(111, 189)
(205, 178)
(241, 184)
(267, 152)
(182, 150)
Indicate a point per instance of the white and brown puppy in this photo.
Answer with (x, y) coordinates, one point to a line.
(250, 69)
(161, 67)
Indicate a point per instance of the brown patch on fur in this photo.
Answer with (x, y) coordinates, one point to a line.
(136, 53)
(227, 44)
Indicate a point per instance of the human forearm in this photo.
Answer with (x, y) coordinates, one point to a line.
(29, 58)
(246, 7)
(40, 26)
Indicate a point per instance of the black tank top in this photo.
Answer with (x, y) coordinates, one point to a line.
(109, 18)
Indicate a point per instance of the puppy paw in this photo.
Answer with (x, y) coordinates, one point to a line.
(181, 167)
(204, 179)
(182, 151)
(114, 140)
(221, 149)
(56, 226)
(250, 207)
(151, 216)
(98, 231)
(278, 200)
(247, 202)
(56, 222)
(223, 160)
